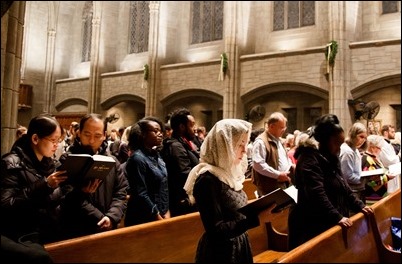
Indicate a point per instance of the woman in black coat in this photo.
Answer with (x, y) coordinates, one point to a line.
(324, 198)
(30, 191)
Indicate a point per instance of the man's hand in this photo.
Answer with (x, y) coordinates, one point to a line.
(92, 186)
(105, 224)
(284, 176)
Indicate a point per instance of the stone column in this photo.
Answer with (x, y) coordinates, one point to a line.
(339, 76)
(12, 29)
(94, 76)
(231, 96)
(151, 105)
(50, 53)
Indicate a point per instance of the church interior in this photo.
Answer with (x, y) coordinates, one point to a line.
(220, 59)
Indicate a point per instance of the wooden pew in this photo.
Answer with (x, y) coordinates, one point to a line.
(381, 223)
(364, 242)
(171, 240)
(269, 240)
(249, 188)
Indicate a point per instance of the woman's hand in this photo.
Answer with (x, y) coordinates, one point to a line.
(54, 179)
(345, 222)
(367, 210)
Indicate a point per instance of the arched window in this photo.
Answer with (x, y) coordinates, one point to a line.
(139, 26)
(293, 14)
(206, 21)
(87, 15)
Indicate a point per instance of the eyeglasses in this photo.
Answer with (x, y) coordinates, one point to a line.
(54, 141)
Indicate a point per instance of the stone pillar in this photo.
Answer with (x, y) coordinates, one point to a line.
(50, 53)
(339, 76)
(94, 76)
(12, 29)
(151, 104)
(231, 97)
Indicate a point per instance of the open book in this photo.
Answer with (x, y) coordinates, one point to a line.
(380, 171)
(82, 167)
(279, 197)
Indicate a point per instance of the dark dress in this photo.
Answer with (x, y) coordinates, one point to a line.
(225, 239)
(323, 196)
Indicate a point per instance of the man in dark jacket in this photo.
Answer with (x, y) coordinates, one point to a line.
(97, 205)
(180, 155)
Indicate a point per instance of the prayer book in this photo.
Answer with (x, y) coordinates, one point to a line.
(380, 172)
(279, 197)
(83, 167)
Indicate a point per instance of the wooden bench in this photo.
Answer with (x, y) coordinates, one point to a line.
(249, 188)
(171, 240)
(269, 240)
(364, 242)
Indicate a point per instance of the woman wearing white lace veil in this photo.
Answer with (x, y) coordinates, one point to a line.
(216, 186)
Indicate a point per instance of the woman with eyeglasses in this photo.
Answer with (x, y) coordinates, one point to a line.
(376, 185)
(147, 174)
(30, 192)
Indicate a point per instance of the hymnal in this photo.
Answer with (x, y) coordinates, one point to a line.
(81, 167)
(278, 197)
(380, 171)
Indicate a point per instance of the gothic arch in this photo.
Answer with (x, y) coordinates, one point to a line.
(174, 97)
(205, 106)
(376, 84)
(69, 102)
(265, 90)
(110, 102)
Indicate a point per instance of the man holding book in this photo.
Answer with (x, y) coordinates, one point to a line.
(93, 205)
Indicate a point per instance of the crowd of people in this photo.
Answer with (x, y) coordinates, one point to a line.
(171, 168)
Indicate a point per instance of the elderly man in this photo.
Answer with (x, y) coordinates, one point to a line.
(271, 166)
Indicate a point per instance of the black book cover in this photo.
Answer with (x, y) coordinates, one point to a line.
(82, 167)
(278, 197)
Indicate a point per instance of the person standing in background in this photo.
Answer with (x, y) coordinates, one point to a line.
(147, 174)
(351, 160)
(21, 130)
(272, 168)
(388, 155)
(180, 155)
(376, 185)
(324, 198)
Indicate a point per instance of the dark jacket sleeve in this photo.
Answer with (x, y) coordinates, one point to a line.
(314, 184)
(20, 187)
(118, 205)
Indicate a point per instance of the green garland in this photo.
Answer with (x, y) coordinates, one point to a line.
(224, 62)
(334, 50)
(146, 72)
